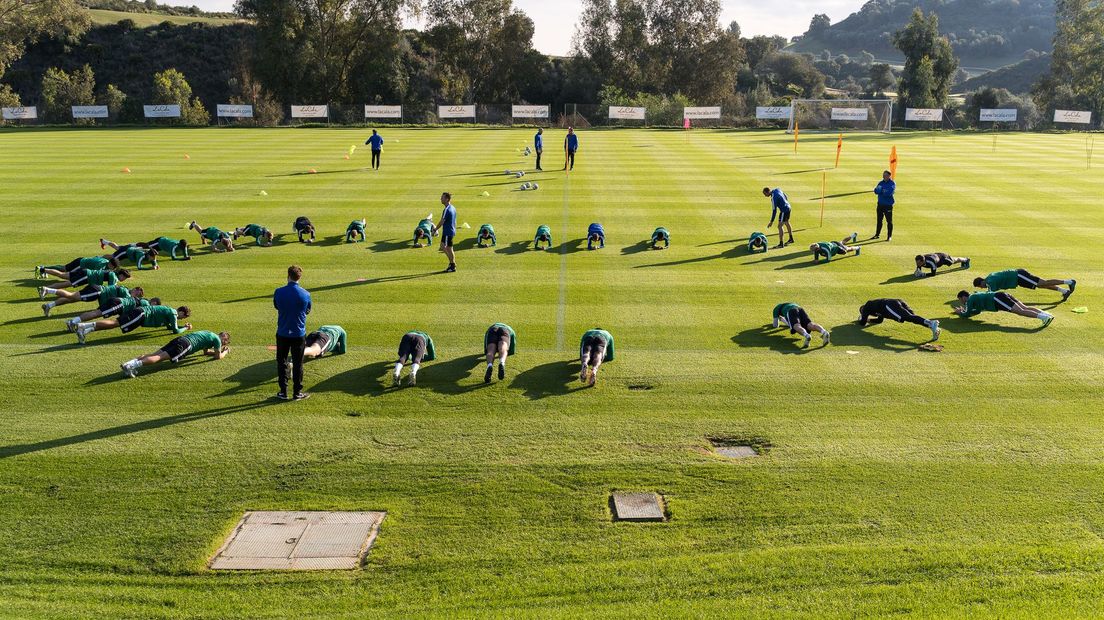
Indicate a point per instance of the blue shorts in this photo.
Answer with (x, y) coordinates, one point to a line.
(446, 240)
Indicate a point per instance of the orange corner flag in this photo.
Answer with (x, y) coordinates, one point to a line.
(893, 163)
(797, 132)
(839, 147)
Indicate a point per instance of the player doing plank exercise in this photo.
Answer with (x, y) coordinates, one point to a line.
(976, 303)
(875, 311)
(828, 249)
(794, 317)
(499, 341)
(1014, 278)
(211, 344)
(936, 260)
(414, 347)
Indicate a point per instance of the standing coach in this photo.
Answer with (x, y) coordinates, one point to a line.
(571, 144)
(376, 142)
(885, 190)
(538, 145)
(292, 303)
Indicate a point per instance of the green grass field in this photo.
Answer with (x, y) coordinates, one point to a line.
(103, 16)
(894, 481)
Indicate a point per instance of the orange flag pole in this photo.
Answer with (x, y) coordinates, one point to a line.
(893, 163)
(823, 191)
(839, 147)
(797, 132)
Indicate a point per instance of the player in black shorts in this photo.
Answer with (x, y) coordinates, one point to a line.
(302, 227)
(212, 344)
(415, 347)
(875, 311)
(936, 260)
(1015, 278)
(794, 316)
(498, 341)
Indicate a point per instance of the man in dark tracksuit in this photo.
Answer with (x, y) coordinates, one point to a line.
(875, 311)
(885, 190)
(376, 142)
(293, 304)
(538, 146)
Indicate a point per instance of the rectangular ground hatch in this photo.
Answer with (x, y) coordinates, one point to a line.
(736, 452)
(298, 540)
(637, 507)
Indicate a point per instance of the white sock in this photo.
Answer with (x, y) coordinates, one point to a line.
(88, 326)
(823, 331)
(49, 291)
(398, 369)
(502, 363)
(1063, 290)
(490, 364)
(51, 304)
(414, 368)
(1068, 282)
(1044, 315)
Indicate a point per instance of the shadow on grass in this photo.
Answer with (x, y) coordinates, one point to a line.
(126, 429)
(844, 195)
(327, 242)
(970, 325)
(811, 263)
(637, 248)
(733, 252)
(358, 381)
(571, 247)
(517, 247)
(446, 377)
(308, 174)
(390, 245)
(464, 244)
(515, 181)
(33, 282)
(853, 335)
(250, 377)
(146, 371)
(802, 172)
(551, 379)
(776, 339)
(911, 277)
(331, 287)
(774, 257)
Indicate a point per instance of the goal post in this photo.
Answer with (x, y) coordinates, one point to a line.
(839, 115)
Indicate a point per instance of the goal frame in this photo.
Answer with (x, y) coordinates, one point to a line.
(842, 126)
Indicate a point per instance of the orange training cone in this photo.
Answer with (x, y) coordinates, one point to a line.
(186, 156)
(313, 171)
(126, 170)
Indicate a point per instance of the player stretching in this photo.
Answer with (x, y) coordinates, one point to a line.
(63, 271)
(170, 246)
(425, 231)
(148, 316)
(936, 260)
(1012, 278)
(596, 234)
(136, 253)
(327, 339)
(875, 311)
(414, 347)
(595, 347)
(834, 248)
(780, 205)
(261, 235)
(110, 307)
(211, 344)
(486, 233)
(85, 277)
(757, 242)
(219, 240)
(498, 341)
(544, 235)
(91, 293)
(661, 234)
(975, 303)
(303, 226)
(354, 230)
(794, 316)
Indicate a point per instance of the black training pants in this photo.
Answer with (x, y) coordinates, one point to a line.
(538, 160)
(294, 347)
(376, 159)
(885, 212)
(571, 159)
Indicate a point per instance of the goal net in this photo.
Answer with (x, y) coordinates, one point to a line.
(841, 115)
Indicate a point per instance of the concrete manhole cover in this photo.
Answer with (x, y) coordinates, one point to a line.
(736, 452)
(307, 540)
(637, 507)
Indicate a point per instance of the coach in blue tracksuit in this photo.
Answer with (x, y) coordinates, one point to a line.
(376, 141)
(571, 144)
(293, 304)
(780, 205)
(538, 146)
(885, 190)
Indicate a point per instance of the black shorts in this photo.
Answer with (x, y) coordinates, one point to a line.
(131, 320)
(302, 225)
(798, 316)
(120, 254)
(543, 238)
(1005, 301)
(177, 348)
(412, 347)
(593, 350)
(111, 307)
(89, 293)
(317, 338)
(446, 240)
(938, 259)
(1026, 279)
(498, 337)
(73, 265)
(77, 277)
(784, 216)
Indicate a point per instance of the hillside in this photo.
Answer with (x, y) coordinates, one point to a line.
(1018, 78)
(105, 17)
(985, 33)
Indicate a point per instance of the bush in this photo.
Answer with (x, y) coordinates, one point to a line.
(61, 91)
(171, 88)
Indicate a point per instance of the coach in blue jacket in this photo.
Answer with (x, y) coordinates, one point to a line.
(292, 303)
(571, 144)
(885, 190)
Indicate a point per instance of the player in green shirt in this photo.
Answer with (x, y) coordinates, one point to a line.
(219, 240)
(91, 293)
(595, 347)
(63, 271)
(137, 253)
(130, 320)
(486, 233)
(794, 316)
(834, 248)
(500, 341)
(354, 230)
(414, 347)
(261, 235)
(212, 344)
(109, 308)
(975, 303)
(170, 246)
(1012, 278)
(328, 339)
(661, 234)
(757, 242)
(544, 235)
(423, 231)
(85, 277)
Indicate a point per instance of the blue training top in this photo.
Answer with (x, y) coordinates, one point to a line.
(572, 142)
(293, 304)
(538, 141)
(595, 228)
(376, 141)
(448, 221)
(779, 202)
(885, 190)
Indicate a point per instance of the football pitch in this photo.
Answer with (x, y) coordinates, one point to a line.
(890, 480)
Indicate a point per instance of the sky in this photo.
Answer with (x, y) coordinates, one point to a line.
(555, 20)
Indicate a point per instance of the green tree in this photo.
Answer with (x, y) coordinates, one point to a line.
(790, 73)
(170, 87)
(818, 25)
(114, 99)
(1077, 63)
(881, 77)
(930, 63)
(61, 91)
(25, 21)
